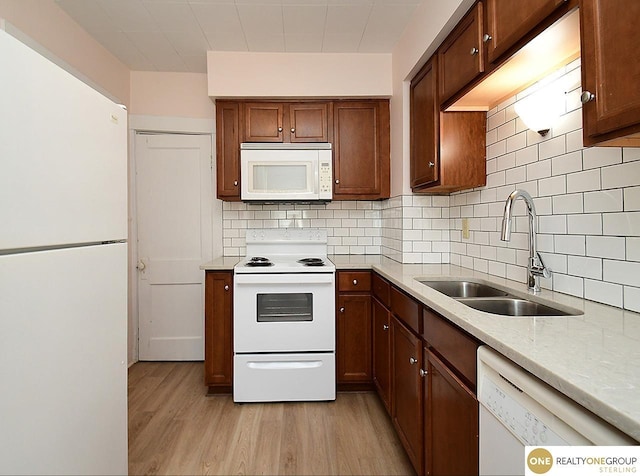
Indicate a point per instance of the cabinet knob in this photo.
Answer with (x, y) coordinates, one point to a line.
(355, 282)
(486, 37)
(279, 129)
(226, 287)
(293, 129)
(337, 181)
(431, 164)
(586, 97)
(474, 51)
(385, 327)
(342, 309)
(423, 373)
(235, 183)
(412, 361)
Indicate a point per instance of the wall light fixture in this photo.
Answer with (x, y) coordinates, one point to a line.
(542, 108)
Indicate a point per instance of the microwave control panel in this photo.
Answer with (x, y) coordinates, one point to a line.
(325, 180)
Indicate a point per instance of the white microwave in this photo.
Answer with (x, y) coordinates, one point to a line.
(286, 172)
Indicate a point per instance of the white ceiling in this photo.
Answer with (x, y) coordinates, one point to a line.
(174, 35)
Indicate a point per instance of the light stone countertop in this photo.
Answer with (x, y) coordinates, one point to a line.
(593, 358)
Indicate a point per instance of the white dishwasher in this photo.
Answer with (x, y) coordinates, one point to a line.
(518, 410)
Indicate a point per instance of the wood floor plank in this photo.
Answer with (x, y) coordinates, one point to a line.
(174, 428)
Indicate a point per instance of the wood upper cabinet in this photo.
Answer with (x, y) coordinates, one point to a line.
(448, 150)
(461, 55)
(451, 422)
(508, 22)
(353, 329)
(610, 72)
(218, 331)
(425, 126)
(286, 122)
(361, 143)
(228, 150)
(407, 391)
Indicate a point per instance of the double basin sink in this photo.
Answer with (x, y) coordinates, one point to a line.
(492, 300)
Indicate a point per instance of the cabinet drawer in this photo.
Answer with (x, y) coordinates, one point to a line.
(354, 281)
(381, 289)
(452, 344)
(406, 309)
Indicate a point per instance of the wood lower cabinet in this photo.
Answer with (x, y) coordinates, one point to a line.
(353, 331)
(611, 96)
(382, 352)
(361, 150)
(451, 422)
(218, 331)
(407, 391)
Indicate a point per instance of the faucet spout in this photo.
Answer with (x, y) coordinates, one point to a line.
(536, 267)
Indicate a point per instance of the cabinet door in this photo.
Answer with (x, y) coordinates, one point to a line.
(610, 69)
(361, 150)
(452, 432)
(218, 334)
(353, 336)
(406, 400)
(309, 122)
(424, 126)
(228, 149)
(508, 22)
(263, 122)
(461, 55)
(381, 354)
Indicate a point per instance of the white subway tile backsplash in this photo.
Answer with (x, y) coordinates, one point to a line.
(632, 199)
(624, 175)
(632, 298)
(552, 186)
(568, 163)
(583, 181)
(621, 224)
(633, 249)
(594, 157)
(570, 244)
(603, 201)
(564, 204)
(539, 170)
(606, 293)
(622, 272)
(606, 247)
(568, 285)
(552, 147)
(527, 155)
(630, 154)
(584, 224)
(585, 267)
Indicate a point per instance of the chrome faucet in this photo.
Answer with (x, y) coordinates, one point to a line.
(536, 267)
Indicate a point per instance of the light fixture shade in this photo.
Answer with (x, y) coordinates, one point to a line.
(541, 109)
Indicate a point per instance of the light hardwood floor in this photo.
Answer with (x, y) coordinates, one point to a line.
(174, 428)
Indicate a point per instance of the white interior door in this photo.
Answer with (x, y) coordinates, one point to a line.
(175, 217)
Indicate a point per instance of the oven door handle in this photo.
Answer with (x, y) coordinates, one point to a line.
(293, 278)
(285, 365)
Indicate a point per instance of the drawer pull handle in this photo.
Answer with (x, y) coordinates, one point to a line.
(385, 327)
(474, 51)
(423, 373)
(355, 282)
(412, 361)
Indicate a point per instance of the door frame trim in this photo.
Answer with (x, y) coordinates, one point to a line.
(164, 125)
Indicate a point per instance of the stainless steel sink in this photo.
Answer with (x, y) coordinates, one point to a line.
(464, 289)
(511, 306)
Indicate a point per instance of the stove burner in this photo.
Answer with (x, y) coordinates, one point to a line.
(311, 261)
(259, 261)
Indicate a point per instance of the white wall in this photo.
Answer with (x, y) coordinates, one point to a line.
(237, 74)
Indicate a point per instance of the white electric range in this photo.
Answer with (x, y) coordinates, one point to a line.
(284, 318)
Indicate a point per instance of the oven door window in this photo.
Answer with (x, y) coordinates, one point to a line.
(285, 307)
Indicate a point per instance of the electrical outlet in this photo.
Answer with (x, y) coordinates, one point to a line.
(465, 228)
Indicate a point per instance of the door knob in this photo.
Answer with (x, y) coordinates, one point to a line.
(141, 266)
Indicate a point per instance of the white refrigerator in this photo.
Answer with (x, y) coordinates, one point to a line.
(63, 271)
